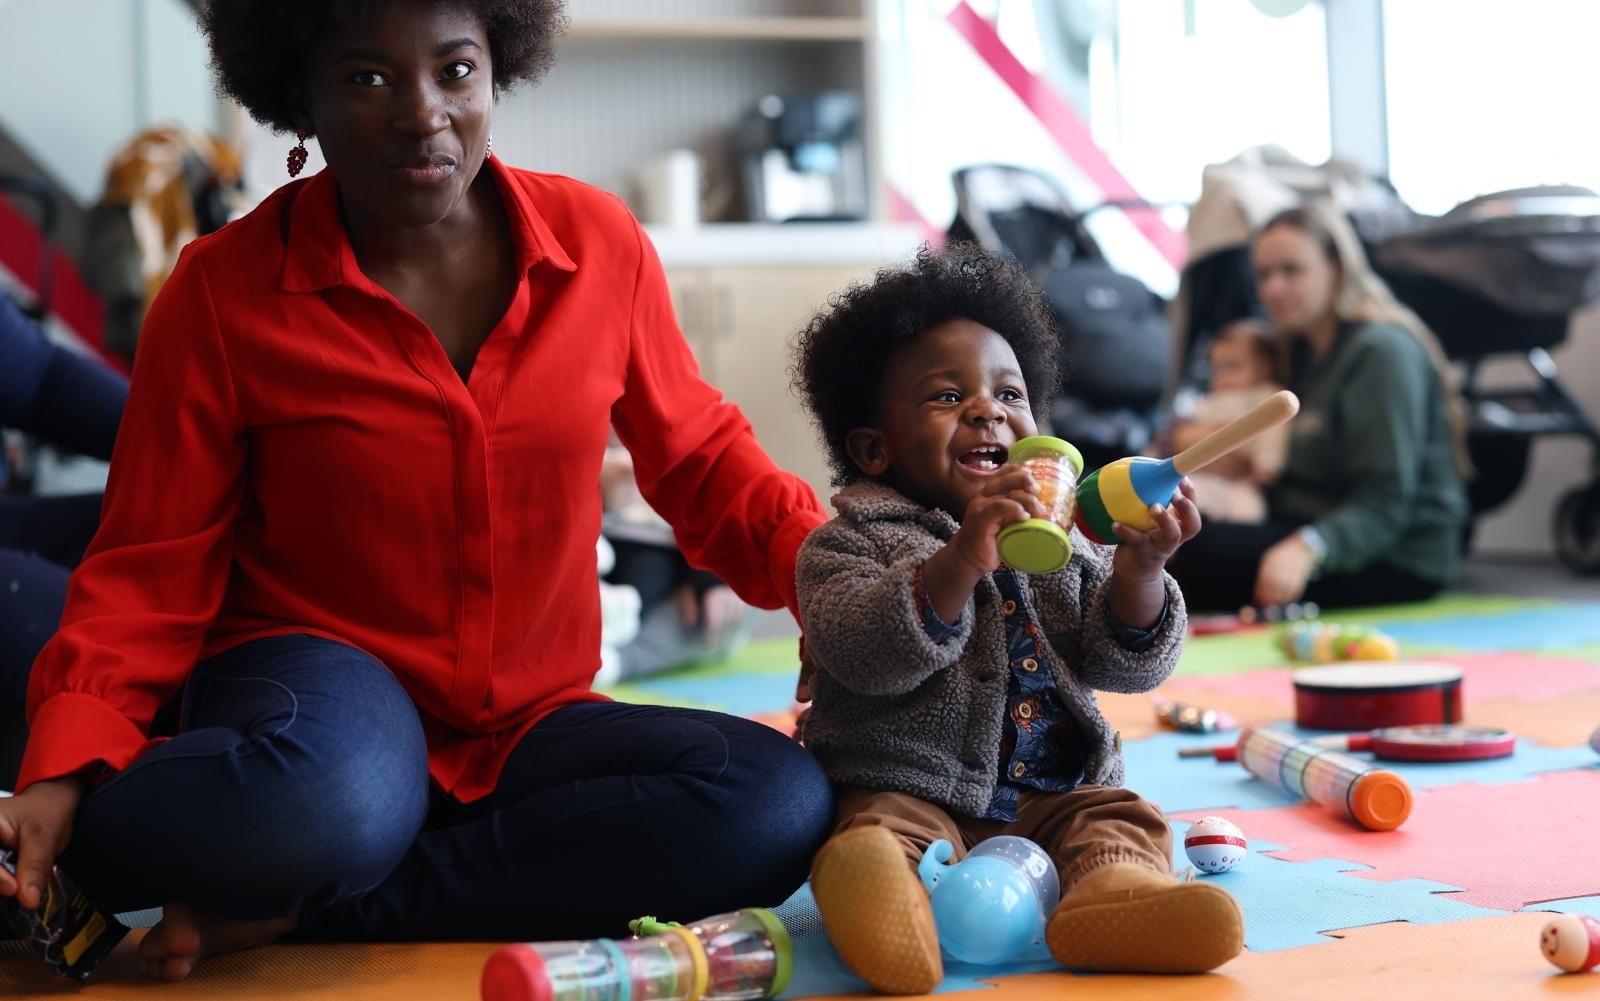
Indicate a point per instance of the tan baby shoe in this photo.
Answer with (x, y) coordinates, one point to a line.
(1127, 918)
(876, 911)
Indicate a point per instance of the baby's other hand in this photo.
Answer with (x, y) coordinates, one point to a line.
(1142, 555)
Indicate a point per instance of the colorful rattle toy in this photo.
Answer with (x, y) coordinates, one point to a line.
(991, 906)
(1190, 719)
(1572, 942)
(1375, 798)
(731, 957)
(1325, 642)
(1044, 545)
(1124, 490)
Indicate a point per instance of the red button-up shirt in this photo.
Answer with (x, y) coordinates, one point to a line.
(298, 455)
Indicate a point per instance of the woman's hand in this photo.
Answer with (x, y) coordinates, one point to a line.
(1235, 465)
(1186, 433)
(38, 824)
(1284, 571)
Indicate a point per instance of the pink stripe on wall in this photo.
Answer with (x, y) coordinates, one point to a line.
(1064, 126)
(902, 210)
(71, 301)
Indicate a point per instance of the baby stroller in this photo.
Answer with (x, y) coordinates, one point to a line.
(1115, 339)
(1499, 275)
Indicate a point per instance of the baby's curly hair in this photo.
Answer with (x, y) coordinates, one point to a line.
(258, 47)
(840, 356)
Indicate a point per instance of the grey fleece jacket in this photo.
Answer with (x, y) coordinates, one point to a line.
(892, 710)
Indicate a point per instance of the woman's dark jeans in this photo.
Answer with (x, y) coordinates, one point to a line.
(298, 784)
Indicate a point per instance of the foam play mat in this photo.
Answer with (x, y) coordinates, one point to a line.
(1448, 905)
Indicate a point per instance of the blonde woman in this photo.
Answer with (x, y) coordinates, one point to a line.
(1370, 507)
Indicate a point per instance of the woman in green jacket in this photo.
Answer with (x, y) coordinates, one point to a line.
(1370, 507)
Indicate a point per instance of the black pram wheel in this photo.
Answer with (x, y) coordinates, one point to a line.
(1577, 530)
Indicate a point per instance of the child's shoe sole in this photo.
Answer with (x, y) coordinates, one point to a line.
(876, 911)
(1181, 928)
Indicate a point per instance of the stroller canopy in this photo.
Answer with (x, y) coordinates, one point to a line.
(1532, 251)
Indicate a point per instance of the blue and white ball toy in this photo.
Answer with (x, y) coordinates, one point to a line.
(991, 906)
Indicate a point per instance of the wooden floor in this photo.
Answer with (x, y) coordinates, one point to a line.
(435, 971)
(1379, 962)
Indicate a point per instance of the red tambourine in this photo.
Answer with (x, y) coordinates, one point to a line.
(1442, 742)
(1445, 742)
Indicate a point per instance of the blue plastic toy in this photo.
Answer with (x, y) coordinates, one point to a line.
(991, 906)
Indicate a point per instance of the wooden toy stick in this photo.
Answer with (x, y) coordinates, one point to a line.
(1269, 413)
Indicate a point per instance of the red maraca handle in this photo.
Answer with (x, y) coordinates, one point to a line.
(1269, 413)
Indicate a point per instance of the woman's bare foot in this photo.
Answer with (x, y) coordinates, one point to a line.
(170, 949)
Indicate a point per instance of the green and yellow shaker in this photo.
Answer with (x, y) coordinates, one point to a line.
(1043, 545)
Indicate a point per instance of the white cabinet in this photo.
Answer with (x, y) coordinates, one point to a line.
(740, 321)
(741, 293)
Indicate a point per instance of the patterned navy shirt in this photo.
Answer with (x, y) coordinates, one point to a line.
(1039, 743)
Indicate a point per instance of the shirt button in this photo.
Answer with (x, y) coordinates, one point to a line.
(1030, 665)
(1018, 770)
(1025, 710)
(1010, 607)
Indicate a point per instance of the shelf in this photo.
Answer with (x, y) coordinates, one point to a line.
(711, 29)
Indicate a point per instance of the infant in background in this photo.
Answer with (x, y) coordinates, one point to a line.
(1242, 364)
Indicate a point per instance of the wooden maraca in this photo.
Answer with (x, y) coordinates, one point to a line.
(1124, 490)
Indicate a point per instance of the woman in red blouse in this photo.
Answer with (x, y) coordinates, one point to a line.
(348, 543)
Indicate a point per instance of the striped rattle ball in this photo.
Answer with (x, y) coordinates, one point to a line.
(1214, 844)
(1124, 490)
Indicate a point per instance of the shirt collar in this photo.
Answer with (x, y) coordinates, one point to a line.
(319, 254)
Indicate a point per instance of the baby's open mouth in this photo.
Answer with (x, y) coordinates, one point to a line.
(986, 459)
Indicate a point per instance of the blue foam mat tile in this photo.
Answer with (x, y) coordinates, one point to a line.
(1572, 905)
(1286, 905)
(818, 970)
(141, 919)
(1290, 904)
(1562, 626)
(1184, 785)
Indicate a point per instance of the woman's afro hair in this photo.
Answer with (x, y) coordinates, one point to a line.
(841, 355)
(258, 47)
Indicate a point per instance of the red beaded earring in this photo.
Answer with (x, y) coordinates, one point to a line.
(297, 155)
